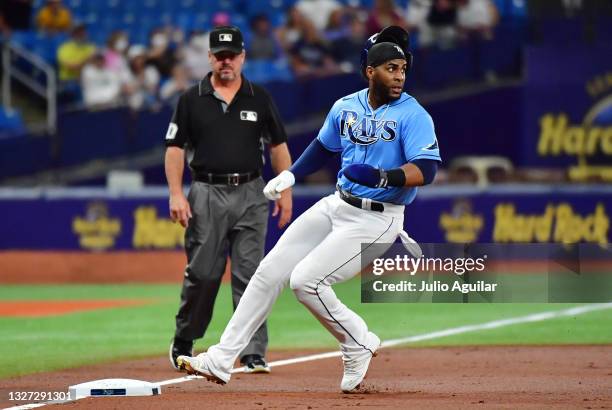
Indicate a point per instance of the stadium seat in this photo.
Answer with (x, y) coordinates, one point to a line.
(486, 169)
(11, 123)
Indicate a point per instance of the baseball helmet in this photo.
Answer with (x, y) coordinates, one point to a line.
(393, 34)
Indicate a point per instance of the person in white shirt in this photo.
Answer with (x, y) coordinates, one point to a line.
(318, 11)
(143, 83)
(176, 85)
(195, 56)
(477, 17)
(100, 86)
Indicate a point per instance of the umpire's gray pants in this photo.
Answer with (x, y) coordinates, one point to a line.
(224, 217)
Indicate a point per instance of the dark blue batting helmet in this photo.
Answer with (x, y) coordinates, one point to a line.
(393, 34)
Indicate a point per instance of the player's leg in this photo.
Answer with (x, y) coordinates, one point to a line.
(339, 258)
(247, 242)
(271, 276)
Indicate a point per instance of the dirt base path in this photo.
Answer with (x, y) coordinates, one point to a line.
(534, 377)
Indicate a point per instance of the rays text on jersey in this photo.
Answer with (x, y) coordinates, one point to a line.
(364, 130)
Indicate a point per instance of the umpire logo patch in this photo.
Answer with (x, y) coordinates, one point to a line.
(248, 116)
(172, 129)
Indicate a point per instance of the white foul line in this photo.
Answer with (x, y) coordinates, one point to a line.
(495, 324)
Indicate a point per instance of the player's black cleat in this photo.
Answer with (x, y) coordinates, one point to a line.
(179, 347)
(254, 363)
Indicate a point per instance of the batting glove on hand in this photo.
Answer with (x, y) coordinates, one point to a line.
(277, 184)
(364, 174)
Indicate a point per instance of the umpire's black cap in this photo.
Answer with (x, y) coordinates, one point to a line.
(226, 38)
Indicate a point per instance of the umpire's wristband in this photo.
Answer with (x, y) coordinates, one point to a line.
(394, 177)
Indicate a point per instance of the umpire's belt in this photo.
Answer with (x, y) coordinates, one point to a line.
(363, 203)
(233, 179)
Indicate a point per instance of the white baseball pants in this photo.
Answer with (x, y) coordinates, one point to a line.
(321, 247)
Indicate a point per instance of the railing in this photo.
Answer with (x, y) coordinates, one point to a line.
(48, 91)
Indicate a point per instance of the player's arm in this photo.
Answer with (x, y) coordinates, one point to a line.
(313, 158)
(416, 173)
(280, 160)
(420, 146)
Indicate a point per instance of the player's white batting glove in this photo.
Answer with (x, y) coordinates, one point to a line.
(277, 184)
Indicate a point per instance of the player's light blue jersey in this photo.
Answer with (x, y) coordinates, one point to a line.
(387, 138)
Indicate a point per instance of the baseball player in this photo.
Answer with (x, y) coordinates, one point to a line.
(388, 147)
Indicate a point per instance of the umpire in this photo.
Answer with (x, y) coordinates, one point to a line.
(222, 124)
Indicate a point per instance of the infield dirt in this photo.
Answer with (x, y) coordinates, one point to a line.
(518, 377)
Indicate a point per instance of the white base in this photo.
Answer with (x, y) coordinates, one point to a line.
(113, 388)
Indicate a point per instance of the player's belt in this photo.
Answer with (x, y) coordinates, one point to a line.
(233, 179)
(363, 203)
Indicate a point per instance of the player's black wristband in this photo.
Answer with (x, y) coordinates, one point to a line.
(394, 177)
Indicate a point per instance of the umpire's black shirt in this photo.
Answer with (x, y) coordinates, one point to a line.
(221, 138)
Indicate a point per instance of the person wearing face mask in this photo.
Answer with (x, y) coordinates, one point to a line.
(74, 53)
(221, 126)
(195, 56)
(160, 54)
(114, 54)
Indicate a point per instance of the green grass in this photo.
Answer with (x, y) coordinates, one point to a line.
(78, 339)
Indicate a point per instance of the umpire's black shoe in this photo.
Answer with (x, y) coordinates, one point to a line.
(179, 347)
(254, 363)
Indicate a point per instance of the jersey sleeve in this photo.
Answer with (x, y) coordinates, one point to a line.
(177, 134)
(329, 134)
(419, 138)
(274, 132)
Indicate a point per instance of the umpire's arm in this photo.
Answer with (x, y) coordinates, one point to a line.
(280, 159)
(174, 162)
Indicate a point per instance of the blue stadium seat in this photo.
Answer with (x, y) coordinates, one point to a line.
(25, 39)
(185, 20)
(281, 71)
(518, 8)
(11, 123)
(239, 20)
(263, 71)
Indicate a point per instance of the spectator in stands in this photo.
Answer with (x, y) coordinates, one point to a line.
(221, 18)
(262, 44)
(101, 87)
(416, 14)
(383, 14)
(115, 53)
(54, 17)
(477, 18)
(143, 82)
(310, 57)
(317, 11)
(440, 29)
(291, 32)
(74, 53)
(337, 26)
(5, 29)
(160, 54)
(345, 35)
(175, 86)
(15, 15)
(195, 56)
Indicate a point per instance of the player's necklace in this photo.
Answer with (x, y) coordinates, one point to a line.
(372, 110)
